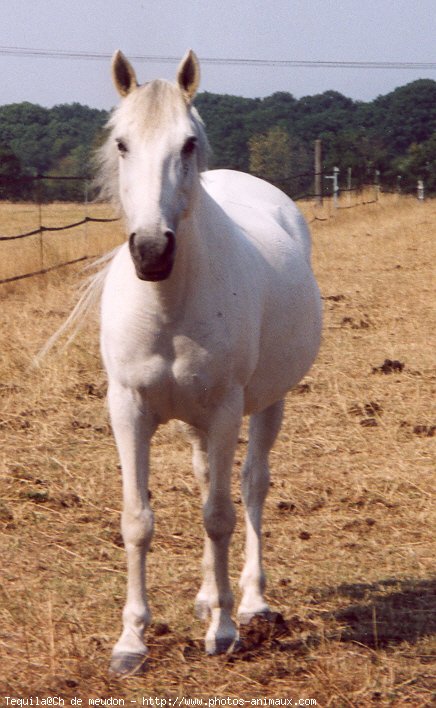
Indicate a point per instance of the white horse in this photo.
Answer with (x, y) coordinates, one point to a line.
(209, 312)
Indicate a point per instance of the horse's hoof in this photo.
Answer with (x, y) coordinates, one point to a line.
(127, 664)
(268, 615)
(202, 610)
(222, 645)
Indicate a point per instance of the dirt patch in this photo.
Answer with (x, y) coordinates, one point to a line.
(389, 366)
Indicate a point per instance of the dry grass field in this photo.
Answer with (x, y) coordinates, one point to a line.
(34, 253)
(349, 530)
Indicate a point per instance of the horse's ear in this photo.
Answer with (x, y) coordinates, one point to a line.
(188, 75)
(123, 74)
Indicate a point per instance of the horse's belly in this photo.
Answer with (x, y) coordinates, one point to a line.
(289, 347)
(273, 380)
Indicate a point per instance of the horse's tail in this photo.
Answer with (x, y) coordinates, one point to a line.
(90, 296)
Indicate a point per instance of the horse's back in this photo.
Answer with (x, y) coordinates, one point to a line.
(257, 206)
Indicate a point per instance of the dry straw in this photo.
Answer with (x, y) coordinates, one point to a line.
(349, 526)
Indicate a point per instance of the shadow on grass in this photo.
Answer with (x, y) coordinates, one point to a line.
(377, 615)
(385, 613)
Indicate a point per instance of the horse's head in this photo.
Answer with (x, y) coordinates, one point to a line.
(161, 147)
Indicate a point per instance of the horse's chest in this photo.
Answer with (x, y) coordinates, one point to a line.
(177, 377)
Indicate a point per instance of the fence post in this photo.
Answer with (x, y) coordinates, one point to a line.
(335, 186)
(334, 177)
(377, 184)
(318, 173)
(41, 237)
(349, 184)
(420, 189)
(86, 214)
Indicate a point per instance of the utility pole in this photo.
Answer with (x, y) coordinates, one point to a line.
(318, 173)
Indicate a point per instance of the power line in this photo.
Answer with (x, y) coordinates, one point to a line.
(278, 63)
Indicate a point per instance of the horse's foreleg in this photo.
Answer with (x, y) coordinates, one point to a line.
(133, 430)
(264, 428)
(219, 521)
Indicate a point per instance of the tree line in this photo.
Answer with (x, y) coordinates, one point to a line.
(271, 137)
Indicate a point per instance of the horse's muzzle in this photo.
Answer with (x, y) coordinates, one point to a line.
(153, 259)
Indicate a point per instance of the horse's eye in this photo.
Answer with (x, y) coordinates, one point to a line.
(122, 147)
(189, 146)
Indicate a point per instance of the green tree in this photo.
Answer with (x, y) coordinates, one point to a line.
(73, 165)
(405, 116)
(13, 184)
(278, 158)
(227, 125)
(393, 134)
(270, 155)
(419, 163)
(46, 140)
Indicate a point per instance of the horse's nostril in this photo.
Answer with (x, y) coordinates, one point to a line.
(171, 242)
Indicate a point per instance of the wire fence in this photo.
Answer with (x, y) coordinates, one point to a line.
(42, 271)
(335, 198)
(27, 191)
(41, 228)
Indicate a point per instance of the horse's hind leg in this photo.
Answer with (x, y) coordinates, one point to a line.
(263, 431)
(213, 460)
(200, 464)
(133, 430)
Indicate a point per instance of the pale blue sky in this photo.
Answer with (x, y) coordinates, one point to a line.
(308, 30)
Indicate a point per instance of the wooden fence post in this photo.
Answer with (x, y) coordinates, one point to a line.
(318, 173)
(377, 185)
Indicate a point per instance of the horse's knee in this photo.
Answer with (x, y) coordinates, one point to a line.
(219, 520)
(255, 481)
(137, 526)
